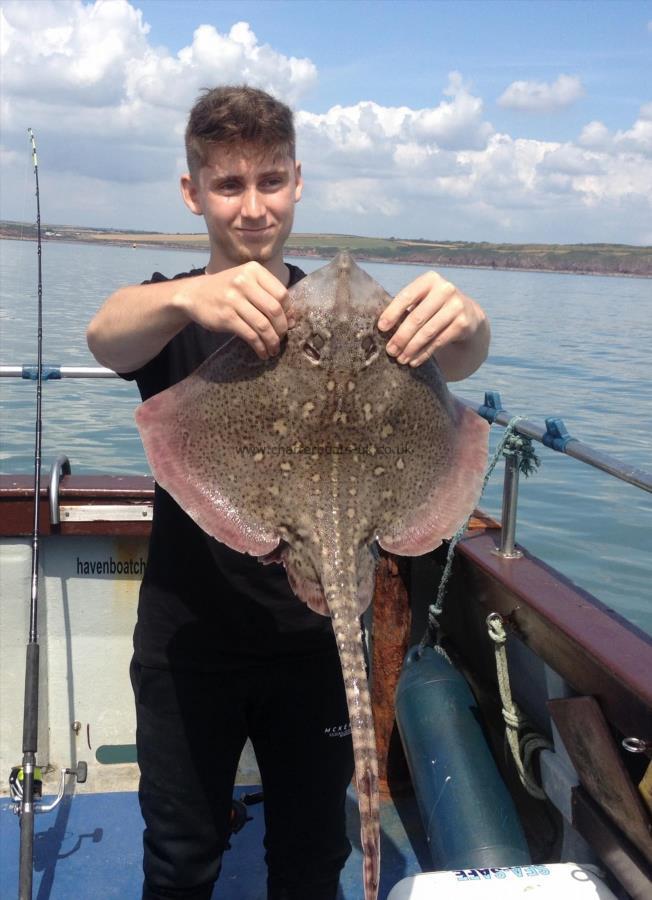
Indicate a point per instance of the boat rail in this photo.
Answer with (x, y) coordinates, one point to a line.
(53, 372)
(554, 435)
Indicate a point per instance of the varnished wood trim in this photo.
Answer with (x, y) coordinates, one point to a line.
(17, 510)
(597, 651)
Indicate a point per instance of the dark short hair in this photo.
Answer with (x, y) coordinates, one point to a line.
(234, 115)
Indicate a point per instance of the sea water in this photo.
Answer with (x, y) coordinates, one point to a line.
(573, 346)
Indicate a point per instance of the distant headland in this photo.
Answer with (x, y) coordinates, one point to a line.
(592, 259)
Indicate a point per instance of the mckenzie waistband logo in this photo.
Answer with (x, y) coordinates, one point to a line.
(337, 730)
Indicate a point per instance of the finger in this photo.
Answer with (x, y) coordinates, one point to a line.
(397, 307)
(271, 284)
(445, 338)
(276, 289)
(407, 297)
(266, 292)
(426, 333)
(267, 306)
(429, 316)
(258, 322)
(240, 328)
(424, 356)
(419, 316)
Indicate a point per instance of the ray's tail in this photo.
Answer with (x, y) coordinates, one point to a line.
(341, 595)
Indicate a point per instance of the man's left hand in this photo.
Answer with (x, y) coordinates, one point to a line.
(440, 320)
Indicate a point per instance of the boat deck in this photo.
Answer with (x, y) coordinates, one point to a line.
(90, 847)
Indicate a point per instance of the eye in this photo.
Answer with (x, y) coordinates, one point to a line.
(311, 349)
(228, 187)
(369, 347)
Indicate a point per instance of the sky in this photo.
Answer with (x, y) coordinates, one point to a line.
(495, 121)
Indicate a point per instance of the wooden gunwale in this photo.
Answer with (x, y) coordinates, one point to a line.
(593, 648)
(16, 504)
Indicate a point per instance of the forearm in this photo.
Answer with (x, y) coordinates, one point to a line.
(135, 323)
(460, 359)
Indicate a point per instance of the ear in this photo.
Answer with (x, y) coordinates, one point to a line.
(190, 194)
(298, 178)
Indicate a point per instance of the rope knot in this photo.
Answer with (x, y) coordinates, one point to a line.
(513, 717)
(520, 445)
(496, 628)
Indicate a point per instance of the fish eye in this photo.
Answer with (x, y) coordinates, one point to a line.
(369, 347)
(311, 351)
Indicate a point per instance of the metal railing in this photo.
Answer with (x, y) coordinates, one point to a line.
(55, 373)
(554, 435)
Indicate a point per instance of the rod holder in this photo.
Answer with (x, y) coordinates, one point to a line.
(507, 549)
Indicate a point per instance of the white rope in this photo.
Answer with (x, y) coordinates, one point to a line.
(435, 609)
(522, 748)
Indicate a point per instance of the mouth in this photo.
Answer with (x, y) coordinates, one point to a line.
(255, 232)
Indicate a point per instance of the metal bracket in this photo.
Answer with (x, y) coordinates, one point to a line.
(103, 512)
(491, 407)
(556, 436)
(49, 372)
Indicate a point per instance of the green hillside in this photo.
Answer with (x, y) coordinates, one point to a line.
(605, 259)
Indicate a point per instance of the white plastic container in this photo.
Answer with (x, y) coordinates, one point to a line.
(553, 882)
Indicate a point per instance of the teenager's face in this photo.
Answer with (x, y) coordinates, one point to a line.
(247, 201)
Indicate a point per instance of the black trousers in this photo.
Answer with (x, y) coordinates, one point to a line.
(191, 728)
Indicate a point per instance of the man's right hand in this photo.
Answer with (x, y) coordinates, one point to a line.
(247, 300)
(136, 322)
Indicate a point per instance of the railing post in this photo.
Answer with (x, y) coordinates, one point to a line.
(507, 547)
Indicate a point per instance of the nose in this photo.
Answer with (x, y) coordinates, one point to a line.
(253, 204)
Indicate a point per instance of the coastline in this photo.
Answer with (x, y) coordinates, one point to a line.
(135, 241)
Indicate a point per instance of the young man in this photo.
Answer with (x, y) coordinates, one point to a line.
(222, 648)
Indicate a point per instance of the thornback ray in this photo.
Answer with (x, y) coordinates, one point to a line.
(311, 456)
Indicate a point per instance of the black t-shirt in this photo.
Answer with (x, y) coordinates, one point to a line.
(202, 604)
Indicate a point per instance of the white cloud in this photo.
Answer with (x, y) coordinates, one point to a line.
(360, 196)
(567, 159)
(455, 124)
(71, 52)
(109, 110)
(392, 141)
(637, 139)
(347, 133)
(213, 58)
(538, 96)
(86, 78)
(595, 134)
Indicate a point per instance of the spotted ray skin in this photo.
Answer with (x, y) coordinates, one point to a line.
(311, 456)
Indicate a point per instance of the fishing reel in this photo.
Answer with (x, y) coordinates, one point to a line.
(16, 787)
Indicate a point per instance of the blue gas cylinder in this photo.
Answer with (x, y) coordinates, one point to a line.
(467, 812)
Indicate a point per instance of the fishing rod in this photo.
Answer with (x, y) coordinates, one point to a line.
(25, 780)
